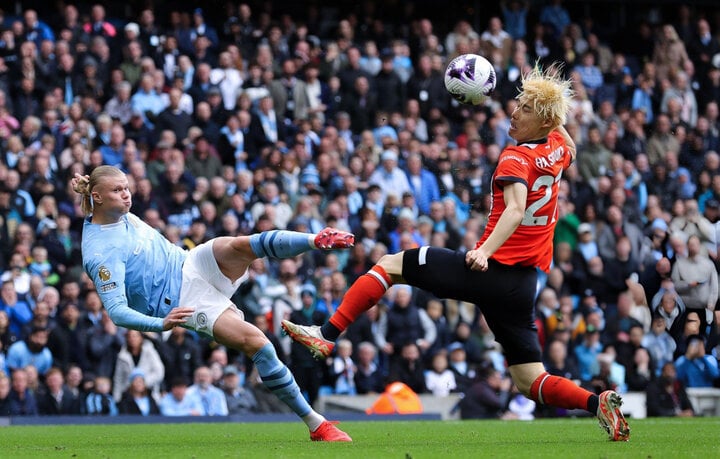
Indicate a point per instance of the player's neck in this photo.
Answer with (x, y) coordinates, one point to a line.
(105, 219)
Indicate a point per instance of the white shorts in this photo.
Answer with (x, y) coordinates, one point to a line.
(206, 288)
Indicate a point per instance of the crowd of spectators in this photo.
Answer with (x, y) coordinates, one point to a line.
(264, 120)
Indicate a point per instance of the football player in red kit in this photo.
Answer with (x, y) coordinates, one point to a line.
(499, 274)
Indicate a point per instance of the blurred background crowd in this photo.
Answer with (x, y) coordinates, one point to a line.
(234, 118)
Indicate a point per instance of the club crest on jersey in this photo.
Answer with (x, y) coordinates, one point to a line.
(104, 274)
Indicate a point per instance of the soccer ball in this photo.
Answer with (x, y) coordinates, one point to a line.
(470, 78)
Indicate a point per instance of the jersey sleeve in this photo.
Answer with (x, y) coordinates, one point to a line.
(108, 275)
(513, 166)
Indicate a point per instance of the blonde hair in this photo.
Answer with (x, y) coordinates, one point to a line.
(84, 186)
(548, 93)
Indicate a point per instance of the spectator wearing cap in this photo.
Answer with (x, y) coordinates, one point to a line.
(389, 177)
(239, 399)
(459, 365)
(32, 350)
(202, 29)
(137, 399)
(587, 351)
(586, 247)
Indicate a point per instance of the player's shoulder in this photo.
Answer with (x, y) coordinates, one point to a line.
(516, 153)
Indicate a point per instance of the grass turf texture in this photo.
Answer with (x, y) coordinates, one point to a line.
(567, 438)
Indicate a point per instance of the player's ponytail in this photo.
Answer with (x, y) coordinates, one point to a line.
(82, 187)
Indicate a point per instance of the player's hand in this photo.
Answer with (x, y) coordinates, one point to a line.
(177, 316)
(476, 260)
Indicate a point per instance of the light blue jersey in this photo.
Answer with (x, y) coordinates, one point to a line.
(136, 271)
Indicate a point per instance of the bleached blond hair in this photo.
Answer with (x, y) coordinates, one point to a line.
(548, 93)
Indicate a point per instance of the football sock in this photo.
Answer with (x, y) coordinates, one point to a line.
(562, 393)
(276, 377)
(361, 296)
(280, 243)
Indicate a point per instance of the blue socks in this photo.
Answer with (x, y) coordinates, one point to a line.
(276, 377)
(280, 244)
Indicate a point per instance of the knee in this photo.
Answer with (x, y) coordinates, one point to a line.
(392, 264)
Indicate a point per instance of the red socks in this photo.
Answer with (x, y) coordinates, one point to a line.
(560, 392)
(361, 296)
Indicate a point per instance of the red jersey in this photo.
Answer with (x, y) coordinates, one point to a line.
(539, 166)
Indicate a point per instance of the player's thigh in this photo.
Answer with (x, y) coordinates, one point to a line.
(233, 331)
(443, 273)
(233, 255)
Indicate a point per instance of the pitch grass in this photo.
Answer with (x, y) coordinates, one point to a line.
(567, 438)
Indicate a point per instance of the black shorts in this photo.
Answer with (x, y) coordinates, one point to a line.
(505, 295)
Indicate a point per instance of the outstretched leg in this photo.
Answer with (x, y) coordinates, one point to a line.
(535, 383)
(361, 296)
(231, 330)
(234, 254)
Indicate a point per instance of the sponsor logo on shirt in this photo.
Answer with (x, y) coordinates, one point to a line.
(108, 287)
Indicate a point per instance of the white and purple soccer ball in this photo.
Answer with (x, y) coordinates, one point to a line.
(470, 79)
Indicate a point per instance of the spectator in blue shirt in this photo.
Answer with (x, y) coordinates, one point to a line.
(36, 30)
(146, 101)
(31, 351)
(100, 401)
(212, 398)
(590, 75)
(18, 311)
(556, 15)
(696, 368)
(180, 402)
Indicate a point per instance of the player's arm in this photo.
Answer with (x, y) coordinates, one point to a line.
(569, 141)
(515, 197)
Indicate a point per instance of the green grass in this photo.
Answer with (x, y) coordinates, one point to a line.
(568, 438)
